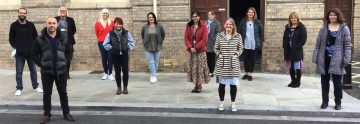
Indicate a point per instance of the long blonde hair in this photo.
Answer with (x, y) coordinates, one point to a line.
(101, 19)
(233, 32)
(252, 9)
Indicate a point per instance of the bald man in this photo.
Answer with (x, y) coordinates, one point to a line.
(68, 29)
(49, 53)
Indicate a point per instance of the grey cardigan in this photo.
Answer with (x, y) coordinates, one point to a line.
(342, 51)
(215, 28)
(159, 32)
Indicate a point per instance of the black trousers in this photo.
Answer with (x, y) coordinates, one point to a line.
(249, 59)
(233, 91)
(121, 63)
(325, 86)
(61, 83)
(69, 62)
(211, 61)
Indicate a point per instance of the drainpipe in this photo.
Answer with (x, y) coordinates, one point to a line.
(155, 7)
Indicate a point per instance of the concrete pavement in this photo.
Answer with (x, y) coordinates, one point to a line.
(267, 93)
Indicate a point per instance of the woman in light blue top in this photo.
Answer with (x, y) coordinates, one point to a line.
(250, 29)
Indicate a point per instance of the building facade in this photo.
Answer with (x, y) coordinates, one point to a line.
(173, 15)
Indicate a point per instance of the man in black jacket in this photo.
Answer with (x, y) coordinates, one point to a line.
(68, 29)
(50, 52)
(22, 36)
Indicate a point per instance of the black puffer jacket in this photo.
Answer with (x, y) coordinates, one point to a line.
(52, 62)
(295, 52)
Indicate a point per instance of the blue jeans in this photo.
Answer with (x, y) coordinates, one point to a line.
(153, 58)
(20, 62)
(106, 59)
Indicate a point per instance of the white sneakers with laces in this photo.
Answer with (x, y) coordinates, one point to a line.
(38, 89)
(232, 107)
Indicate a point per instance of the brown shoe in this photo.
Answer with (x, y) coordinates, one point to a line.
(194, 90)
(44, 119)
(198, 90)
(118, 92)
(125, 90)
(69, 117)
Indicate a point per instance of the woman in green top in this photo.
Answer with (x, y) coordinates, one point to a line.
(153, 35)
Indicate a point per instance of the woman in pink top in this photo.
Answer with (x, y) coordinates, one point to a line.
(102, 27)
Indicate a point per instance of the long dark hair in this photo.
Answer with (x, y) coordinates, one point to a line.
(340, 17)
(191, 22)
(153, 14)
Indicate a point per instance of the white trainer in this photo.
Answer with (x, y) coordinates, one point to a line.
(221, 106)
(39, 90)
(111, 77)
(105, 77)
(152, 80)
(155, 80)
(233, 107)
(18, 93)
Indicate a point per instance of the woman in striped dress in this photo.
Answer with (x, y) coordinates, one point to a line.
(228, 48)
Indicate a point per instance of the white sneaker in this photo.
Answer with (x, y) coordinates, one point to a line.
(18, 93)
(155, 80)
(105, 77)
(233, 107)
(221, 106)
(111, 77)
(39, 90)
(152, 80)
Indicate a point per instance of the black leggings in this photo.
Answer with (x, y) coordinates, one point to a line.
(211, 61)
(233, 91)
(121, 63)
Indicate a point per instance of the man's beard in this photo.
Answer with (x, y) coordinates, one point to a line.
(22, 18)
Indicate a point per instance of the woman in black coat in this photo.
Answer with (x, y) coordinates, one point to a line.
(293, 41)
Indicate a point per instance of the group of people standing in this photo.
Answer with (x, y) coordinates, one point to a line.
(331, 55)
(52, 51)
(212, 52)
(217, 53)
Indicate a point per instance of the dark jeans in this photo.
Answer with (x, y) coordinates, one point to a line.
(20, 62)
(211, 61)
(106, 59)
(121, 63)
(325, 84)
(249, 60)
(61, 83)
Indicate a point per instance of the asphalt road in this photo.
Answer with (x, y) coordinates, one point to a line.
(15, 118)
(355, 70)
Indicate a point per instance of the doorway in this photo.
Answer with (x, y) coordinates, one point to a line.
(238, 10)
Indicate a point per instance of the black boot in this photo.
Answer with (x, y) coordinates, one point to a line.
(292, 75)
(298, 78)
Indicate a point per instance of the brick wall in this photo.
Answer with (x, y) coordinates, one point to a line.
(356, 29)
(277, 12)
(173, 15)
